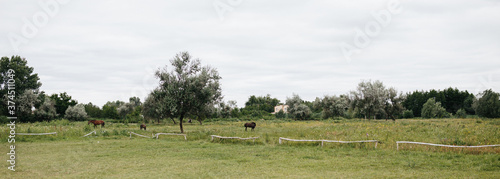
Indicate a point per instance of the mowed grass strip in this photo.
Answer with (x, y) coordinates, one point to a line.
(112, 154)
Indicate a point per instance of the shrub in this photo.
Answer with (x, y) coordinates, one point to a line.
(408, 114)
(433, 109)
(76, 113)
(461, 113)
(281, 115)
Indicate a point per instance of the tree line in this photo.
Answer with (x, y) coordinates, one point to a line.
(191, 91)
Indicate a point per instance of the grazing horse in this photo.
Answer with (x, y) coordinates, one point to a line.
(143, 126)
(251, 125)
(97, 122)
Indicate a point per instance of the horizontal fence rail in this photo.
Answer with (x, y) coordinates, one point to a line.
(37, 133)
(281, 139)
(137, 135)
(442, 145)
(158, 134)
(90, 133)
(221, 137)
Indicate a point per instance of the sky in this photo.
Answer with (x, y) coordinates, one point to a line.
(99, 51)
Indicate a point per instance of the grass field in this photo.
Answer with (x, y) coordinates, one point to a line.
(112, 154)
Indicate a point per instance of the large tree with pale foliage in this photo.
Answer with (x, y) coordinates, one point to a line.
(373, 98)
(297, 108)
(188, 87)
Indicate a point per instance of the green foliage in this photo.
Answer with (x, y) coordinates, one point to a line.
(4, 119)
(488, 105)
(62, 102)
(373, 100)
(109, 111)
(280, 115)
(24, 78)
(264, 103)
(408, 114)
(46, 111)
(433, 109)
(297, 109)
(188, 89)
(451, 99)
(93, 111)
(461, 113)
(332, 106)
(24, 105)
(76, 113)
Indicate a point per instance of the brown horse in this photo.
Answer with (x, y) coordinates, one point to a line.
(97, 122)
(251, 125)
(143, 126)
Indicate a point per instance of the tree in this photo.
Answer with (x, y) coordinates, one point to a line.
(24, 78)
(25, 104)
(260, 104)
(47, 110)
(488, 105)
(76, 113)
(63, 101)
(332, 106)
(393, 106)
(451, 99)
(433, 109)
(93, 110)
(188, 87)
(109, 111)
(297, 108)
(369, 98)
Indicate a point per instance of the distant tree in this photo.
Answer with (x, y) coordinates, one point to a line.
(451, 99)
(297, 109)
(369, 98)
(408, 114)
(109, 111)
(153, 108)
(433, 109)
(46, 111)
(488, 104)
(25, 103)
(393, 106)
(261, 103)
(93, 110)
(188, 87)
(24, 79)
(63, 101)
(332, 106)
(76, 113)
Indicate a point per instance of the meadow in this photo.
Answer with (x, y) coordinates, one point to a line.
(111, 153)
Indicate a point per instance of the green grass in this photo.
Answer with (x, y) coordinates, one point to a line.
(112, 154)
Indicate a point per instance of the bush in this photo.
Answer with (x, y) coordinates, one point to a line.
(281, 115)
(433, 109)
(461, 113)
(408, 114)
(76, 113)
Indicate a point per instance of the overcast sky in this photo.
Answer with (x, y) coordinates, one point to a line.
(99, 51)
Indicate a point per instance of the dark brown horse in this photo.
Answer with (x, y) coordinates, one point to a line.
(251, 125)
(97, 122)
(143, 126)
